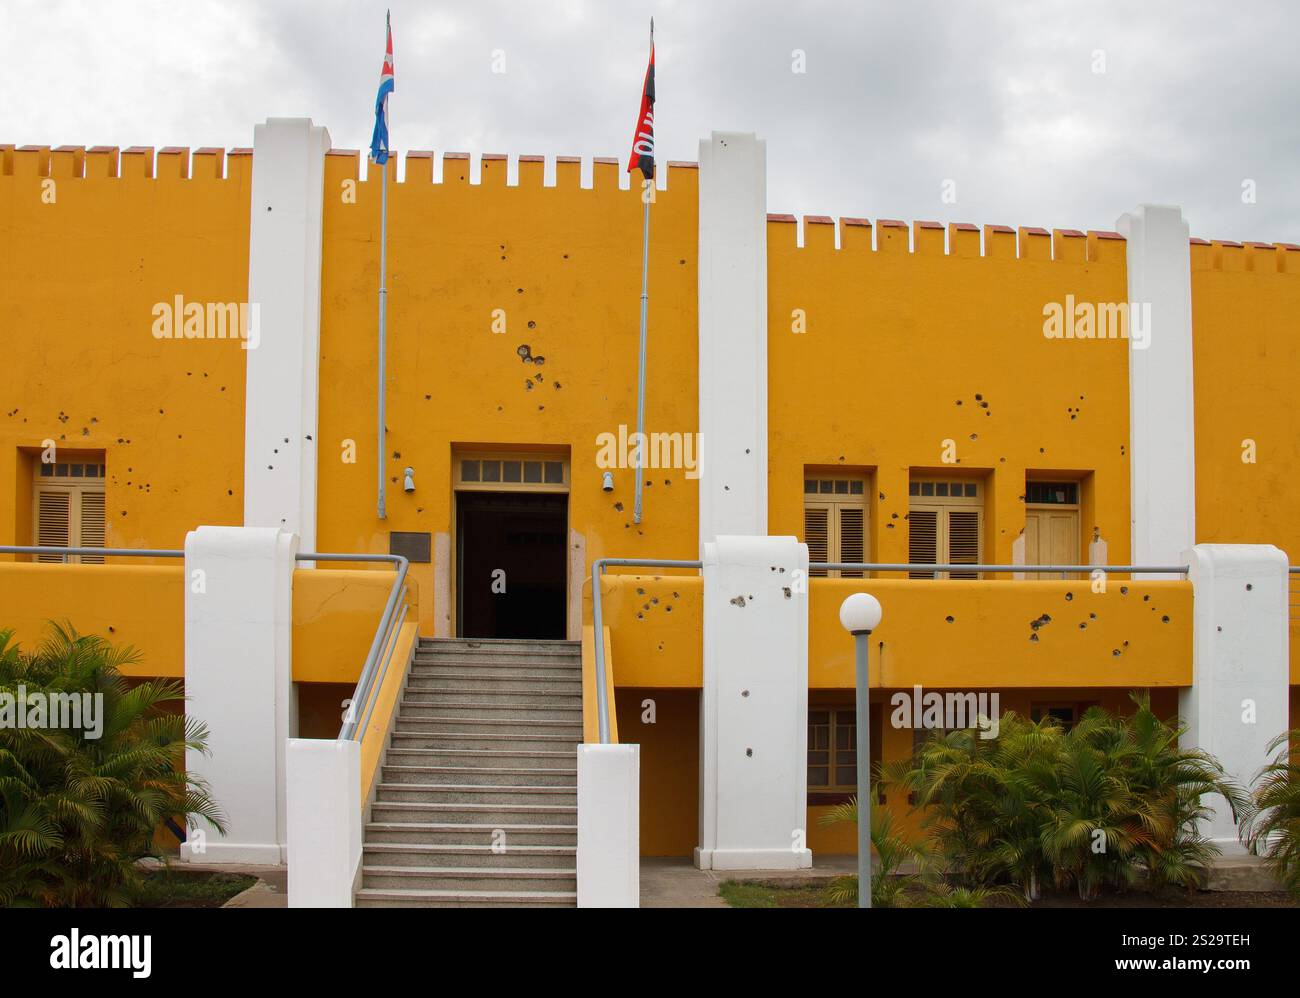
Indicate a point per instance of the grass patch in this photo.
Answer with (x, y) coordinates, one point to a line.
(168, 888)
(764, 894)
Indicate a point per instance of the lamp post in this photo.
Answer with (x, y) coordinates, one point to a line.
(860, 615)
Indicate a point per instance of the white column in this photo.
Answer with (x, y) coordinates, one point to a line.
(1161, 407)
(1238, 700)
(733, 335)
(239, 682)
(283, 368)
(754, 706)
(609, 826)
(323, 796)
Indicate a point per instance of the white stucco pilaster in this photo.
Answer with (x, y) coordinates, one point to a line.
(733, 335)
(1238, 700)
(609, 826)
(239, 682)
(284, 286)
(1161, 405)
(754, 706)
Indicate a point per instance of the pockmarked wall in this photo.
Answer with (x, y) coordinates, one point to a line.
(1245, 300)
(93, 241)
(513, 322)
(896, 360)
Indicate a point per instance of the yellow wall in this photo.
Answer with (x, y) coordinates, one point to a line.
(1244, 303)
(896, 340)
(82, 368)
(670, 765)
(562, 264)
(335, 615)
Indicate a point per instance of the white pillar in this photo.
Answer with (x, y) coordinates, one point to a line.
(754, 706)
(1238, 700)
(733, 335)
(609, 826)
(323, 796)
(1161, 407)
(239, 682)
(283, 369)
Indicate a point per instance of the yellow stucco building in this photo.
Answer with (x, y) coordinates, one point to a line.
(883, 392)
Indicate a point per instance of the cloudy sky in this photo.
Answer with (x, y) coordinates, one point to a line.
(1050, 112)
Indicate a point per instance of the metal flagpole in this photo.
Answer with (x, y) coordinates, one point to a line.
(383, 311)
(646, 195)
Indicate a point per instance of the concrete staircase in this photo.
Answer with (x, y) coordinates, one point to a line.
(477, 804)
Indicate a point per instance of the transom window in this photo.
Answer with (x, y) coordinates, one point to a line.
(497, 472)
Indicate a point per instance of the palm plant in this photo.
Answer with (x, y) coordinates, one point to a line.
(889, 888)
(78, 812)
(1272, 825)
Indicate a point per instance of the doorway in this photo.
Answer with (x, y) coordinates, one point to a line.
(512, 565)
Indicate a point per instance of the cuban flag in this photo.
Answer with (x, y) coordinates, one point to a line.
(379, 141)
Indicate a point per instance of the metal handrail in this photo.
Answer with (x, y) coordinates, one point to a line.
(597, 569)
(858, 566)
(365, 683)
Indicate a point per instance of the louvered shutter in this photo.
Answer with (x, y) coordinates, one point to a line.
(92, 525)
(963, 540)
(852, 541)
(53, 521)
(816, 535)
(923, 540)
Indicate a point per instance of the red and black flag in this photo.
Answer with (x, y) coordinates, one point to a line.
(643, 138)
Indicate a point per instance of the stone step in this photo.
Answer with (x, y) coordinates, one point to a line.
(492, 670)
(509, 710)
(460, 833)
(493, 696)
(407, 898)
(480, 759)
(441, 723)
(477, 776)
(450, 878)
(422, 737)
(497, 646)
(466, 857)
(472, 681)
(497, 815)
(464, 793)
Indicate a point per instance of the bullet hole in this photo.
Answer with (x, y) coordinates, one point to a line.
(539, 361)
(1068, 597)
(1033, 638)
(308, 436)
(541, 408)
(668, 609)
(428, 398)
(566, 256)
(1146, 598)
(528, 386)
(1116, 652)
(889, 526)
(675, 596)
(270, 467)
(654, 600)
(959, 401)
(788, 594)
(979, 397)
(681, 263)
(744, 693)
(1249, 587)
(747, 451)
(893, 516)
(1164, 619)
(1083, 625)
(984, 405)
(640, 616)
(1042, 450)
(519, 291)
(949, 618)
(230, 492)
(419, 509)
(618, 508)
(525, 353)
(749, 753)
(1123, 590)
(275, 450)
(1125, 644)
(974, 436)
(668, 481)
(738, 601)
(557, 386)
(112, 629)
(539, 377)
(532, 324)
(1092, 616)
(882, 496)
(1002, 460)
(286, 440)
(1220, 627)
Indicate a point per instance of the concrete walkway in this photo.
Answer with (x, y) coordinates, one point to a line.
(676, 883)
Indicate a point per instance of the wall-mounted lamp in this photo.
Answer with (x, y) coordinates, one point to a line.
(408, 482)
(607, 483)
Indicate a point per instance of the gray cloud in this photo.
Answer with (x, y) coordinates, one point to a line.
(999, 97)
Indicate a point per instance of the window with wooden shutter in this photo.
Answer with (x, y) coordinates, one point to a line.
(1051, 526)
(835, 522)
(68, 507)
(832, 750)
(945, 525)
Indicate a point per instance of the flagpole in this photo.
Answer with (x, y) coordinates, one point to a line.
(383, 313)
(646, 196)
